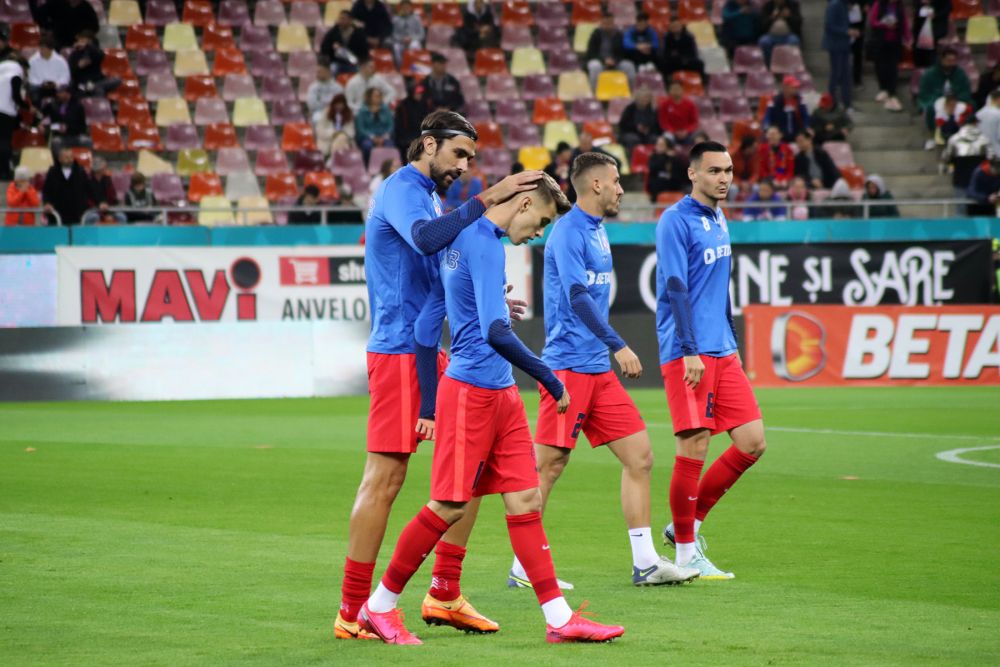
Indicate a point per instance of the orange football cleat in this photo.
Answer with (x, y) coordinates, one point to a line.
(459, 614)
(345, 630)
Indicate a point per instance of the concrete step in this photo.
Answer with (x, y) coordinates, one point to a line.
(870, 137)
(893, 162)
(917, 186)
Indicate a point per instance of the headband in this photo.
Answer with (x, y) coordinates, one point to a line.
(447, 133)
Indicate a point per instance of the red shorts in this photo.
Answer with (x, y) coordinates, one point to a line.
(483, 443)
(598, 405)
(722, 400)
(395, 402)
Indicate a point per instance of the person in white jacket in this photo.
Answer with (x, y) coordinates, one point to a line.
(367, 78)
(989, 121)
(47, 70)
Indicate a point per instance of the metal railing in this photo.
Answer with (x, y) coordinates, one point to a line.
(949, 207)
(162, 214)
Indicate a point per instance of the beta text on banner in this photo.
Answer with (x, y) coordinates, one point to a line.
(887, 345)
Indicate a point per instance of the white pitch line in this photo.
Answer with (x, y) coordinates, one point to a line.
(953, 456)
(870, 434)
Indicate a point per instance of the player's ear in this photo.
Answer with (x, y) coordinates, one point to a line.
(430, 145)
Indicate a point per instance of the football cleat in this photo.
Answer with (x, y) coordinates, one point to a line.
(514, 581)
(668, 535)
(459, 614)
(663, 572)
(345, 630)
(582, 629)
(387, 626)
(706, 569)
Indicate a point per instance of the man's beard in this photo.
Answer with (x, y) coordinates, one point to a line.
(439, 176)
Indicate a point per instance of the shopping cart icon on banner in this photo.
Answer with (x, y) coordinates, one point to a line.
(306, 271)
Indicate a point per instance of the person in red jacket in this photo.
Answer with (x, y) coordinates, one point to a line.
(21, 194)
(678, 115)
(775, 158)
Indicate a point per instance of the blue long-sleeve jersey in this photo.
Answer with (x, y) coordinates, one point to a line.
(694, 257)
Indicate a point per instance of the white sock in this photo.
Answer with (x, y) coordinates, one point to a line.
(685, 552)
(382, 600)
(643, 553)
(557, 612)
(518, 570)
(697, 526)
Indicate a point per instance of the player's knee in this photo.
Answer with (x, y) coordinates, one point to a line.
(450, 513)
(551, 469)
(524, 502)
(641, 463)
(758, 448)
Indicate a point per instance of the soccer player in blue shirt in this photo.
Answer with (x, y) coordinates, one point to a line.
(483, 443)
(578, 336)
(707, 390)
(404, 231)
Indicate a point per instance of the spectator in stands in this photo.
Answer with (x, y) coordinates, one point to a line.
(323, 88)
(13, 98)
(788, 112)
(798, 197)
(837, 36)
(746, 161)
(367, 78)
(989, 81)
(875, 190)
(67, 189)
(139, 196)
(641, 43)
(587, 146)
(606, 51)
(5, 51)
(375, 20)
(667, 169)
(782, 10)
(829, 121)
(47, 70)
(335, 128)
(989, 121)
(841, 192)
(764, 193)
(639, 123)
(966, 150)
(775, 159)
(680, 51)
(924, 45)
(889, 30)
(374, 123)
(384, 171)
(561, 166)
(104, 195)
(740, 24)
(407, 30)
(21, 194)
(857, 17)
(950, 113)
(778, 34)
(813, 163)
(462, 190)
(308, 214)
(444, 90)
(344, 45)
(984, 188)
(65, 119)
(945, 76)
(479, 27)
(678, 115)
(85, 67)
(65, 18)
(410, 113)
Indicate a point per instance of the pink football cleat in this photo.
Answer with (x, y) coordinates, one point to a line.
(582, 629)
(387, 626)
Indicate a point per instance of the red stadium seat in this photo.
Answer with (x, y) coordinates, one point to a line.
(516, 13)
(270, 161)
(97, 110)
(220, 135)
(281, 185)
(127, 88)
(732, 109)
(551, 15)
(160, 12)
(141, 136)
(586, 11)
(512, 112)
(308, 160)
(384, 62)
(287, 111)
(24, 36)
(962, 10)
(215, 36)
(208, 110)
(478, 111)
(415, 62)
(196, 87)
(142, 36)
(198, 13)
(326, 183)
(548, 109)
(585, 110)
(116, 64)
(297, 137)
(535, 86)
(446, 13)
(204, 184)
(854, 175)
(228, 61)
(83, 156)
(600, 130)
(787, 60)
(640, 158)
(500, 88)
(691, 82)
(692, 10)
(490, 62)
(234, 13)
(260, 138)
(521, 136)
(28, 137)
(134, 110)
(148, 61)
(490, 135)
(659, 16)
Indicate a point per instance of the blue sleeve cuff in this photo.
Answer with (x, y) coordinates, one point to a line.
(503, 339)
(427, 377)
(586, 309)
(680, 305)
(431, 236)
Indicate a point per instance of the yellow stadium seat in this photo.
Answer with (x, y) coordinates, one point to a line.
(527, 60)
(150, 164)
(534, 157)
(293, 37)
(560, 130)
(257, 217)
(573, 85)
(190, 62)
(618, 151)
(612, 84)
(249, 111)
(582, 36)
(178, 37)
(703, 33)
(333, 9)
(123, 13)
(193, 161)
(37, 159)
(982, 30)
(222, 215)
(172, 110)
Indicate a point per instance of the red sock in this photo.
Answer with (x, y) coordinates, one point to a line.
(720, 476)
(447, 572)
(684, 496)
(356, 588)
(532, 548)
(415, 543)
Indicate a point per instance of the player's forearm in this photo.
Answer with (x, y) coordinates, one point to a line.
(506, 343)
(427, 377)
(586, 309)
(435, 234)
(680, 306)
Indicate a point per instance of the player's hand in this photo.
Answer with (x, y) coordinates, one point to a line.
(425, 428)
(562, 405)
(518, 307)
(629, 362)
(694, 369)
(510, 186)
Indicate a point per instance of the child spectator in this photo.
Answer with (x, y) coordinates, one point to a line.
(798, 198)
(139, 196)
(764, 193)
(949, 114)
(775, 159)
(335, 128)
(21, 194)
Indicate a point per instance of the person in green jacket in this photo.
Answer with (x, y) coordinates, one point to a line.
(374, 123)
(943, 77)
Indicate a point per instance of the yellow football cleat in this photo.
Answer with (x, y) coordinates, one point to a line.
(344, 630)
(459, 614)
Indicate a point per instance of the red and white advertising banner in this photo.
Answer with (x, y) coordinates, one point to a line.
(888, 345)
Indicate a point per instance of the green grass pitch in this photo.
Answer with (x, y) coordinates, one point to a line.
(213, 533)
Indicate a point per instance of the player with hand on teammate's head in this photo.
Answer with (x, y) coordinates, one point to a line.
(578, 336)
(707, 390)
(483, 441)
(404, 231)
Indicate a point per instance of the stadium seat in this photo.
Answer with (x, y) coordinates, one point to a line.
(259, 212)
(276, 87)
(215, 210)
(659, 17)
(534, 157)
(470, 86)
(557, 131)
(233, 13)
(536, 86)
(704, 34)
(260, 137)
(515, 37)
(548, 109)
(690, 11)
(116, 64)
(231, 160)
(326, 183)
(500, 87)
(446, 13)
(142, 36)
(270, 161)
(489, 62)
(255, 38)
(106, 137)
(97, 110)
(553, 39)
(653, 80)
(581, 36)
(148, 61)
(611, 84)
(167, 188)
(748, 59)
(399, 85)
(992, 54)
(379, 155)
(586, 11)
(28, 137)
(24, 36)
(574, 85)
(415, 62)
(965, 9)
(586, 109)
(215, 36)
(519, 136)
(618, 152)
(563, 61)
(732, 109)
(108, 37)
(297, 137)
(438, 33)
(220, 135)
(667, 199)
(525, 61)
(180, 136)
(170, 110)
(204, 184)
(551, 14)
(84, 157)
(235, 86)
(306, 160)
(209, 110)
(196, 87)
(301, 63)
(269, 13)
(307, 13)
(149, 164)
(512, 112)
(787, 60)
(287, 111)
(292, 37)
(123, 13)
(601, 131)
(383, 59)
(494, 162)
(127, 88)
(193, 161)
(854, 175)
(715, 59)
(477, 112)
(490, 135)
(161, 12)
(266, 64)
(241, 184)
(280, 185)
(706, 107)
(615, 109)
(724, 85)
(249, 111)
(143, 137)
(744, 128)
(190, 62)
(640, 158)
(37, 159)
(179, 37)
(759, 84)
(347, 161)
(691, 82)
(515, 12)
(840, 152)
(982, 30)
(198, 13)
